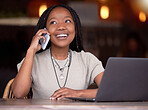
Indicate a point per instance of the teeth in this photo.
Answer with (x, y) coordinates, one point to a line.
(62, 35)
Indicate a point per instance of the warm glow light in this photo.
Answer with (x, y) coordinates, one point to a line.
(140, 5)
(144, 4)
(42, 9)
(104, 12)
(142, 16)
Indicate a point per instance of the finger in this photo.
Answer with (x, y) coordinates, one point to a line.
(44, 39)
(41, 31)
(55, 97)
(61, 97)
(38, 37)
(59, 94)
(64, 96)
(59, 91)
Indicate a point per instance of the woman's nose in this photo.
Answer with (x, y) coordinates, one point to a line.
(61, 26)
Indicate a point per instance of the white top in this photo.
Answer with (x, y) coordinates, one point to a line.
(82, 71)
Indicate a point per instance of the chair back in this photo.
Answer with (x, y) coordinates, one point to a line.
(8, 92)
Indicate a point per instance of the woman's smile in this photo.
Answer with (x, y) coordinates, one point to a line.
(62, 36)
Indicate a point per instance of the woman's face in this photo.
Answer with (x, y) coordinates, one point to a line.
(61, 27)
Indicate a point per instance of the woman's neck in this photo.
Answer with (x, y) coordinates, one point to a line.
(59, 53)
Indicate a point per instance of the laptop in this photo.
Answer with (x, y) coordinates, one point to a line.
(124, 79)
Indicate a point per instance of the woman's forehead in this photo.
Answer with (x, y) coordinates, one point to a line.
(59, 10)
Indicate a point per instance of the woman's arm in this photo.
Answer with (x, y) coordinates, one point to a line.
(22, 82)
(67, 92)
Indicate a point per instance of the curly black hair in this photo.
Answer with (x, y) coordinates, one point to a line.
(76, 44)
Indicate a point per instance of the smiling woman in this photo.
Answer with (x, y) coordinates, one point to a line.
(62, 70)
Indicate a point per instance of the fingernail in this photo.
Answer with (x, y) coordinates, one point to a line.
(51, 98)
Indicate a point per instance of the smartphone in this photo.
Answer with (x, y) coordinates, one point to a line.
(44, 45)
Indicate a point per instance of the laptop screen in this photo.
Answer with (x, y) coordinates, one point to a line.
(124, 79)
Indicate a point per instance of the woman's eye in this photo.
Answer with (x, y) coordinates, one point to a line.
(67, 21)
(53, 22)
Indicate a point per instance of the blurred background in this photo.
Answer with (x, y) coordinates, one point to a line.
(110, 28)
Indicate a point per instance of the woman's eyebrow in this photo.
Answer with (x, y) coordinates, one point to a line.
(64, 17)
(68, 17)
(52, 18)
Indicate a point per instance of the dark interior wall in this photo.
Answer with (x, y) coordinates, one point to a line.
(14, 41)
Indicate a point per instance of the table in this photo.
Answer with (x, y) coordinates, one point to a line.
(45, 104)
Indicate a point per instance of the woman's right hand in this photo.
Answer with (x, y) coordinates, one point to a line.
(35, 46)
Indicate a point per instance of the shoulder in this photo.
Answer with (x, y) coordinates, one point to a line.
(83, 54)
(87, 57)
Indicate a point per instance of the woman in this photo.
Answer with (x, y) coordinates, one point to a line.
(63, 70)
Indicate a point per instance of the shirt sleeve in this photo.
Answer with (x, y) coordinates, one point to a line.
(19, 65)
(95, 66)
(33, 67)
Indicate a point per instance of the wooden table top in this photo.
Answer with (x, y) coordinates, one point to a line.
(45, 104)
